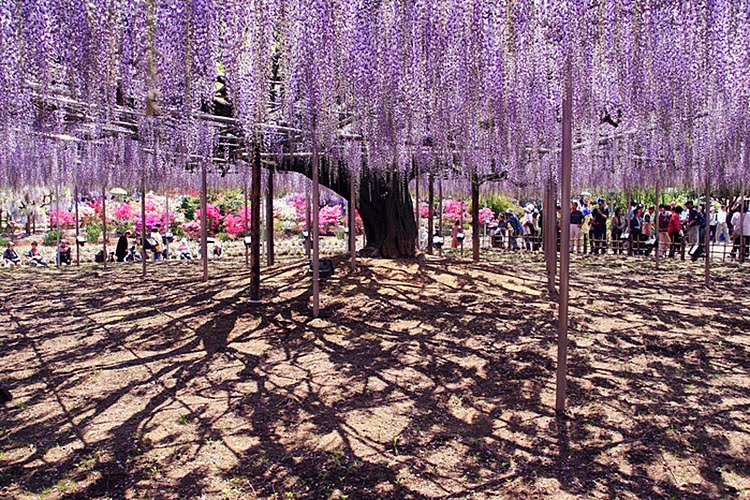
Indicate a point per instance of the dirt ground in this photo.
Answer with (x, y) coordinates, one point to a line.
(417, 381)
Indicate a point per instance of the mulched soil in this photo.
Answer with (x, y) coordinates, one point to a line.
(431, 380)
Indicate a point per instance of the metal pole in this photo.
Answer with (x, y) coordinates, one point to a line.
(255, 197)
(204, 221)
(269, 218)
(316, 230)
(567, 161)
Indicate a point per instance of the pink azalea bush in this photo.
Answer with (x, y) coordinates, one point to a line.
(486, 215)
(67, 219)
(235, 224)
(454, 210)
(329, 216)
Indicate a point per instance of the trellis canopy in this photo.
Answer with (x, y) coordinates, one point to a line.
(90, 89)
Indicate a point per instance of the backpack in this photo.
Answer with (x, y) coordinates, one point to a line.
(701, 220)
(664, 221)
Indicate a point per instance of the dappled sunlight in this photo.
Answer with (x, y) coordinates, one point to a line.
(431, 381)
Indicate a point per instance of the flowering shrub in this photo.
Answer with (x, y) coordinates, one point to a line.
(424, 210)
(329, 216)
(67, 219)
(235, 224)
(486, 215)
(192, 229)
(454, 210)
(213, 219)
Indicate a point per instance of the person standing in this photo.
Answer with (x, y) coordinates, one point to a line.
(122, 246)
(457, 234)
(692, 226)
(576, 223)
(721, 225)
(675, 232)
(516, 229)
(662, 227)
(599, 216)
(155, 243)
(529, 227)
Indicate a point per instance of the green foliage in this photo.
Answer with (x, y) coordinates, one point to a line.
(123, 226)
(223, 236)
(499, 203)
(3, 242)
(228, 202)
(189, 205)
(93, 231)
(50, 239)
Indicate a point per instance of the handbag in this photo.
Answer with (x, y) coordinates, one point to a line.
(625, 236)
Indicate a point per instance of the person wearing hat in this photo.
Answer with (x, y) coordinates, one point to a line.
(515, 231)
(576, 223)
(599, 216)
(529, 227)
(10, 256)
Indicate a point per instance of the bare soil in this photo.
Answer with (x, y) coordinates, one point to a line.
(417, 381)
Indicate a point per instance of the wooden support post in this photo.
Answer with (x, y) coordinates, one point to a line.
(655, 223)
(255, 225)
(247, 248)
(307, 220)
(567, 161)
(549, 233)
(416, 196)
(144, 257)
(56, 166)
(707, 227)
(204, 221)
(165, 250)
(430, 210)
(475, 215)
(78, 247)
(440, 211)
(104, 224)
(352, 221)
(269, 218)
(315, 228)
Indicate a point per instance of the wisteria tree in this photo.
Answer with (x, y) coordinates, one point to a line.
(98, 92)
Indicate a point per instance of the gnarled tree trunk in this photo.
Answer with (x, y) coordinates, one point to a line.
(385, 206)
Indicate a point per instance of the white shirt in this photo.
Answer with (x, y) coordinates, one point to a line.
(746, 225)
(721, 218)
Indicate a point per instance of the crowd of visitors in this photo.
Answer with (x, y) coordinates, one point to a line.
(598, 228)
